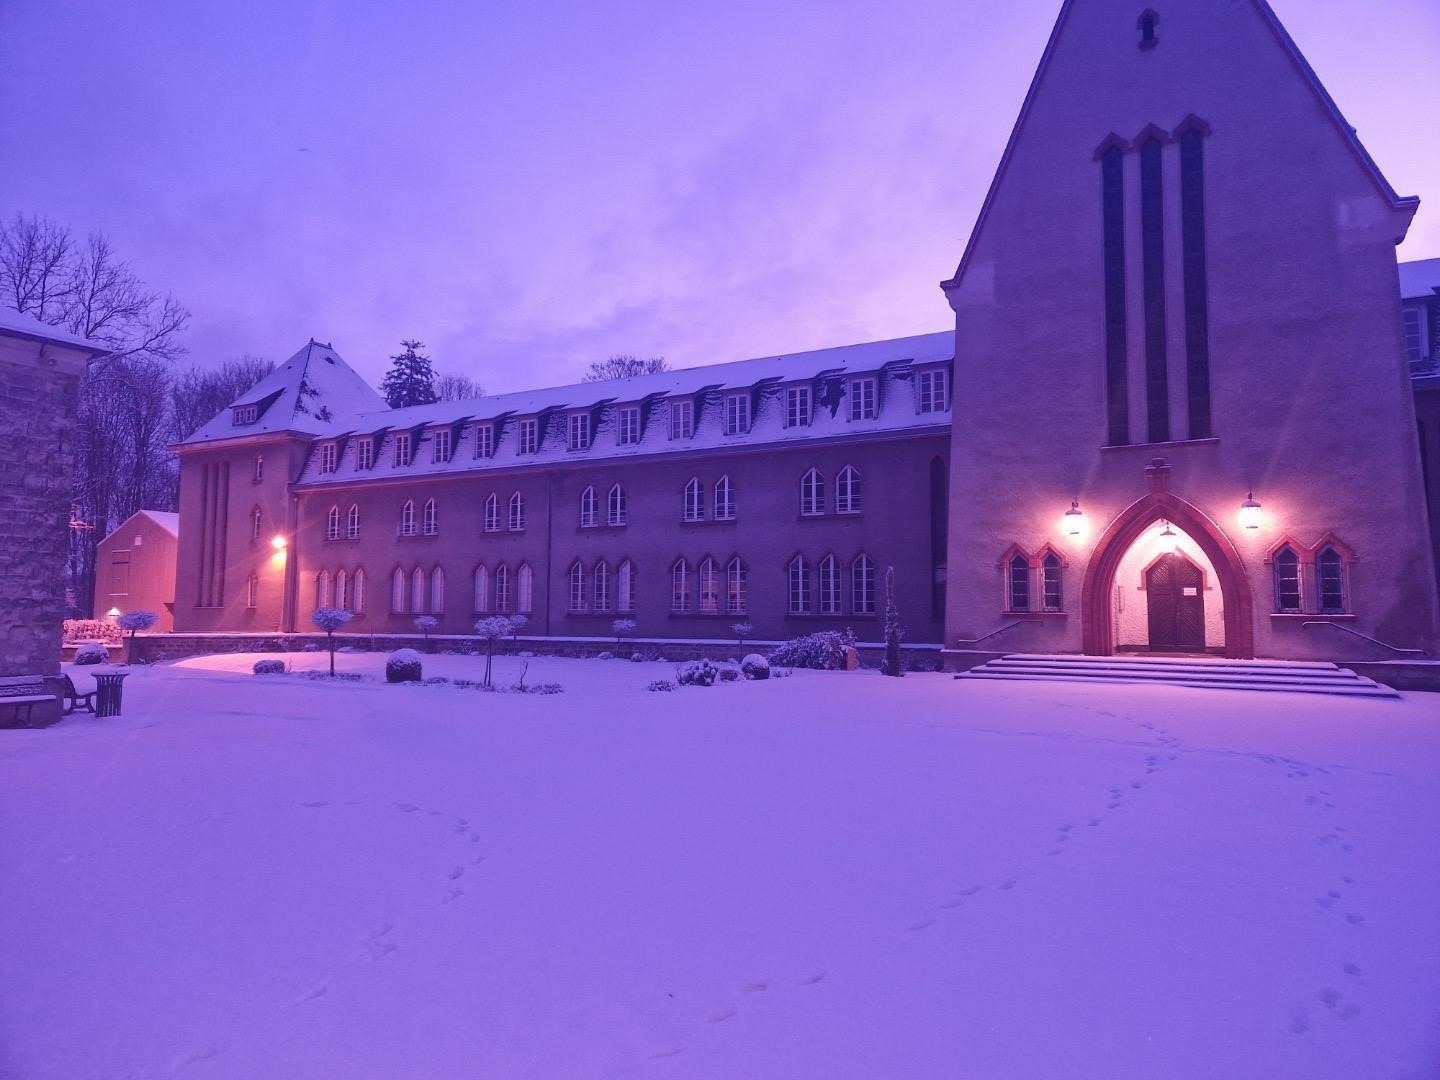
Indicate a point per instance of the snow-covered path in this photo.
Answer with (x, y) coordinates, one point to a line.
(832, 875)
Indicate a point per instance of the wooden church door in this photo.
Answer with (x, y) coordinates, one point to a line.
(1175, 599)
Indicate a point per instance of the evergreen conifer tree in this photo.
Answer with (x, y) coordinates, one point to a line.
(891, 664)
(411, 379)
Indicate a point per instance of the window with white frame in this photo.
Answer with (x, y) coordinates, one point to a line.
(402, 448)
(246, 414)
(352, 523)
(1052, 582)
(847, 491)
(1330, 582)
(529, 436)
(1018, 577)
(481, 584)
(797, 406)
(524, 590)
(365, 453)
(327, 457)
(437, 591)
(1288, 591)
(600, 589)
(407, 518)
(357, 592)
(1415, 334)
(484, 440)
(615, 506)
(252, 592)
(441, 445)
(694, 501)
(680, 587)
(709, 587)
(829, 586)
(502, 589)
(417, 590)
(863, 399)
(342, 590)
(589, 509)
(933, 397)
(682, 419)
(737, 588)
(332, 524)
(737, 413)
(724, 499)
(812, 494)
(492, 513)
(862, 585)
(257, 523)
(798, 580)
(628, 425)
(259, 468)
(579, 431)
(577, 586)
(430, 518)
(322, 589)
(625, 587)
(517, 512)
(397, 591)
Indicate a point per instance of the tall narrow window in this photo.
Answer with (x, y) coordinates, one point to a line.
(529, 436)
(1018, 571)
(589, 509)
(342, 584)
(417, 590)
(492, 513)
(1152, 257)
(517, 512)
(402, 448)
(737, 413)
(812, 494)
(252, 592)
(625, 587)
(437, 591)
(577, 586)
(829, 586)
(407, 518)
(524, 590)
(481, 600)
(357, 593)
(798, 580)
(1330, 581)
(579, 431)
(862, 585)
(352, 523)
(682, 419)
(1146, 24)
(694, 501)
(724, 499)
(680, 587)
(797, 406)
(327, 457)
(615, 506)
(628, 425)
(365, 453)
(1197, 317)
(259, 467)
(257, 523)
(430, 518)
(600, 588)
(332, 524)
(847, 491)
(709, 587)
(1051, 572)
(933, 397)
(1287, 580)
(484, 440)
(502, 589)
(862, 398)
(322, 589)
(737, 588)
(1117, 400)
(440, 446)
(397, 591)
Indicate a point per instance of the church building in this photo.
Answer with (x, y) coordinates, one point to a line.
(1203, 440)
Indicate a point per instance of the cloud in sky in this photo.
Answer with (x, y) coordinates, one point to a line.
(531, 187)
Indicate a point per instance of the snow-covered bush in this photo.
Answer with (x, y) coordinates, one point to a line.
(403, 665)
(755, 666)
(825, 651)
(94, 653)
(311, 646)
(607, 655)
(621, 627)
(133, 621)
(741, 630)
(537, 688)
(636, 658)
(661, 685)
(330, 619)
(697, 673)
(425, 624)
(437, 680)
(77, 630)
(729, 674)
(269, 667)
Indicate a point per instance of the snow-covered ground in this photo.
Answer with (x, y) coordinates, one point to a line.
(828, 876)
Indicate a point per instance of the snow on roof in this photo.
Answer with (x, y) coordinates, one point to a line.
(1419, 280)
(28, 327)
(314, 392)
(897, 407)
(166, 520)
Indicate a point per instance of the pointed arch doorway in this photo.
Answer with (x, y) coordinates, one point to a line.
(1098, 615)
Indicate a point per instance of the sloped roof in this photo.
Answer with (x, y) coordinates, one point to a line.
(1420, 279)
(26, 326)
(165, 519)
(314, 392)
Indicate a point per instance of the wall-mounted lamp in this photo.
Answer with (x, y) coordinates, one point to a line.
(113, 613)
(1169, 539)
(1250, 512)
(278, 543)
(1074, 520)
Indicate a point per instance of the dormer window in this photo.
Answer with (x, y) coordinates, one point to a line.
(246, 414)
(932, 388)
(579, 431)
(737, 413)
(365, 453)
(863, 398)
(327, 457)
(797, 406)
(484, 440)
(628, 433)
(442, 445)
(682, 419)
(529, 436)
(402, 449)
(1147, 23)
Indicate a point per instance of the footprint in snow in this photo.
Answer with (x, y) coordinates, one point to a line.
(314, 805)
(1355, 919)
(721, 1016)
(456, 872)
(1008, 883)
(451, 894)
(923, 924)
(1300, 1023)
(666, 1053)
(755, 987)
(1352, 969)
(406, 807)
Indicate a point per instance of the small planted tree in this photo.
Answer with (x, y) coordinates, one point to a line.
(426, 623)
(490, 631)
(621, 627)
(517, 624)
(891, 664)
(132, 622)
(741, 630)
(330, 619)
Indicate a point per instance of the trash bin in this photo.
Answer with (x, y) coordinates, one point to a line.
(108, 690)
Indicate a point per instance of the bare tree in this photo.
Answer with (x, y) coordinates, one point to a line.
(457, 388)
(624, 367)
(35, 256)
(198, 395)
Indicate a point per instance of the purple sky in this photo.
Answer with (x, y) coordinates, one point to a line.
(529, 187)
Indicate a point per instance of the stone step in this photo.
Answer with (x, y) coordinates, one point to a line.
(1227, 674)
(1354, 689)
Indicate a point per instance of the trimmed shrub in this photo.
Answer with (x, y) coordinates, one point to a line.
(661, 685)
(94, 653)
(825, 651)
(755, 666)
(269, 667)
(729, 674)
(77, 630)
(636, 658)
(403, 665)
(697, 673)
(605, 656)
(311, 646)
(537, 688)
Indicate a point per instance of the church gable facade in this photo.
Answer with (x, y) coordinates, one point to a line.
(1207, 423)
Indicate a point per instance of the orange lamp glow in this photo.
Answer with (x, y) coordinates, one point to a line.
(1250, 512)
(278, 543)
(1074, 520)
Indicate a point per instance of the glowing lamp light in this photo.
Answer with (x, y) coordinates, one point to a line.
(278, 543)
(1250, 512)
(113, 613)
(1169, 539)
(1074, 519)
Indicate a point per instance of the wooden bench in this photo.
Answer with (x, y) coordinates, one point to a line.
(19, 694)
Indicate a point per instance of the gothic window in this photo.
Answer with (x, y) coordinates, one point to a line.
(1117, 400)
(492, 513)
(577, 586)
(357, 592)
(1330, 582)
(812, 494)
(259, 467)
(417, 591)
(694, 501)
(709, 587)
(615, 506)
(517, 512)
(257, 522)
(524, 589)
(625, 587)
(589, 509)
(407, 518)
(397, 591)
(332, 524)
(829, 586)
(1051, 571)
(1017, 571)
(737, 590)
(322, 589)
(482, 589)
(862, 585)
(798, 581)
(252, 591)
(502, 589)
(430, 518)
(1196, 285)
(1152, 262)
(437, 591)
(847, 491)
(352, 523)
(1288, 593)
(680, 587)
(600, 588)
(724, 499)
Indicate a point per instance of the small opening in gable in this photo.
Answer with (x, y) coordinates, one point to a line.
(1147, 23)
